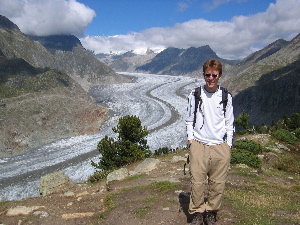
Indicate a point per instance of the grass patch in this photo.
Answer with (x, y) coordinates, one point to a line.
(2, 203)
(264, 204)
(296, 188)
(134, 177)
(263, 184)
(109, 205)
(109, 201)
(160, 187)
(164, 186)
(289, 162)
(245, 172)
(149, 199)
(142, 211)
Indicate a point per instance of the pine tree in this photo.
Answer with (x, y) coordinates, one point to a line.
(130, 146)
(243, 120)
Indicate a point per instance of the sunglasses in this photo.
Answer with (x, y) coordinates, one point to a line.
(213, 75)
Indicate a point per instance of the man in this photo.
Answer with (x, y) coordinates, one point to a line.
(210, 132)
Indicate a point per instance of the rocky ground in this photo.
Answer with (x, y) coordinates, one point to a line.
(135, 201)
(159, 196)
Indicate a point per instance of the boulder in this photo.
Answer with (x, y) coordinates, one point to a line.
(146, 166)
(77, 215)
(119, 174)
(55, 182)
(176, 159)
(22, 210)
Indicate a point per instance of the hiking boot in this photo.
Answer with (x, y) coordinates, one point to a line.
(198, 219)
(211, 218)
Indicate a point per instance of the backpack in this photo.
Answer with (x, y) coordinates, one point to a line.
(198, 100)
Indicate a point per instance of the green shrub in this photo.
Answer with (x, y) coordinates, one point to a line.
(117, 154)
(243, 120)
(108, 149)
(97, 176)
(284, 135)
(281, 124)
(240, 156)
(241, 132)
(293, 122)
(249, 145)
(297, 133)
(262, 129)
(130, 146)
(162, 151)
(130, 129)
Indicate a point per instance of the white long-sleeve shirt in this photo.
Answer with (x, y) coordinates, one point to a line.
(211, 127)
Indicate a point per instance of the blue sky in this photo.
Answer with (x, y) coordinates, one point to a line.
(121, 17)
(232, 28)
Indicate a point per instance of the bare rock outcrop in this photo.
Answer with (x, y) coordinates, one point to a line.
(54, 183)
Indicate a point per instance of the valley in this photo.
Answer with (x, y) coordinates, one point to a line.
(153, 98)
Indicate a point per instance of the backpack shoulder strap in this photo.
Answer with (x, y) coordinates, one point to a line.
(198, 100)
(224, 98)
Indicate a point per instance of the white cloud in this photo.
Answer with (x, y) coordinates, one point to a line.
(229, 39)
(44, 17)
(232, 39)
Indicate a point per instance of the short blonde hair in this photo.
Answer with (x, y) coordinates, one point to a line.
(213, 63)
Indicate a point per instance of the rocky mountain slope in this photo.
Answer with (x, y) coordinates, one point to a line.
(81, 65)
(266, 83)
(174, 61)
(171, 61)
(40, 100)
(64, 53)
(40, 105)
(126, 62)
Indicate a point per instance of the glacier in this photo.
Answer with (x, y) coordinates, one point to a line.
(158, 100)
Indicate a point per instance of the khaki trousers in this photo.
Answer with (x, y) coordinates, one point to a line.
(209, 166)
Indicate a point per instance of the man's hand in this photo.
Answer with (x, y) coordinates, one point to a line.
(189, 143)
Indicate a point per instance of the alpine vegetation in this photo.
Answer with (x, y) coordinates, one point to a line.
(130, 146)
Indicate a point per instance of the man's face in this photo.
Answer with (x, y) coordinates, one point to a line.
(211, 77)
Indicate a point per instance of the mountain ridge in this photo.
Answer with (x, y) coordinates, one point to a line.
(82, 66)
(41, 91)
(269, 88)
(171, 61)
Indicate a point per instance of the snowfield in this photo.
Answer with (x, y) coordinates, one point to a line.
(158, 100)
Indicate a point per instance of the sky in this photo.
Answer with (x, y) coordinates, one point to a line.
(232, 28)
